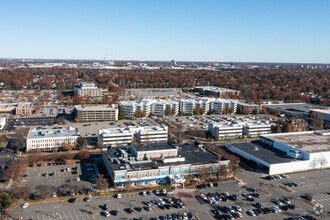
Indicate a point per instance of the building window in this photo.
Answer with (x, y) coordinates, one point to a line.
(163, 172)
(184, 169)
(174, 170)
(120, 176)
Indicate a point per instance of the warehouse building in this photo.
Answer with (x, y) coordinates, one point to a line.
(47, 139)
(287, 152)
(149, 164)
(96, 113)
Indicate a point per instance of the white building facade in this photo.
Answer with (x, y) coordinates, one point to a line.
(48, 139)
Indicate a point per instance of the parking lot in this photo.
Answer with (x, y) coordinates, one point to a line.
(314, 183)
(54, 176)
(82, 209)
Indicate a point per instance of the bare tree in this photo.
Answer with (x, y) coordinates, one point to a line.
(322, 161)
(101, 182)
(83, 154)
(16, 170)
(19, 138)
(20, 191)
(128, 185)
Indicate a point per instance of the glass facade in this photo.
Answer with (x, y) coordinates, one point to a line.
(163, 172)
(174, 170)
(184, 169)
(120, 176)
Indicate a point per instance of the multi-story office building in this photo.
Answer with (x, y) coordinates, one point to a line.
(161, 107)
(87, 89)
(48, 139)
(125, 136)
(115, 136)
(187, 106)
(229, 130)
(255, 129)
(217, 105)
(146, 164)
(253, 108)
(152, 134)
(237, 128)
(165, 107)
(96, 112)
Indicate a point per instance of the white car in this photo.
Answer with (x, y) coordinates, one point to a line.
(106, 214)
(211, 185)
(278, 202)
(25, 205)
(286, 201)
(118, 196)
(22, 181)
(68, 169)
(78, 179)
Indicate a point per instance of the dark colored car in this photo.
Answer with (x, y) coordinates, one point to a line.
(139, 209)
(130, 210)
(72, 200)
(114, 212)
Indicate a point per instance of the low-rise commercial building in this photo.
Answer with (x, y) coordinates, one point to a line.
(24, 108)
(147, 164)
(87, 89)
(96, 113)
(287, 152)
(47, 139)
(217, 91)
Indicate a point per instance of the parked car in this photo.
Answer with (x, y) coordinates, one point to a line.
(106, 213)
(25, 205)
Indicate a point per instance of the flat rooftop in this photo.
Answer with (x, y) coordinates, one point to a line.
(296, 108)
(215, 89)
(153, 146)
(264, 152)
(192, 154)
(94, 107)
(52, 133)
(313, 141)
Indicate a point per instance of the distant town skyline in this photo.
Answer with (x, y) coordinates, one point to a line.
(201, 31)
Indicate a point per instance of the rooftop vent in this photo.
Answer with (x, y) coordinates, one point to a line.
(255, 148)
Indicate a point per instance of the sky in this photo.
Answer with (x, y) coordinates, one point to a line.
(289, 31)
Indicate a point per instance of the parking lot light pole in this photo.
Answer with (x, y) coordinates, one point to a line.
(302, 180)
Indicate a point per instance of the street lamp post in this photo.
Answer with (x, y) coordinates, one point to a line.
(302, 180)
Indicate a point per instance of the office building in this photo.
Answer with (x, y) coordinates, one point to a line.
(253, 108)
(149, 164)
(96, 112)
(87, 89)
(48, 139)
(125, 136)
(231, 128)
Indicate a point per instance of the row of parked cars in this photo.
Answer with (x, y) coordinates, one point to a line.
(281, 204)
(213, 198)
